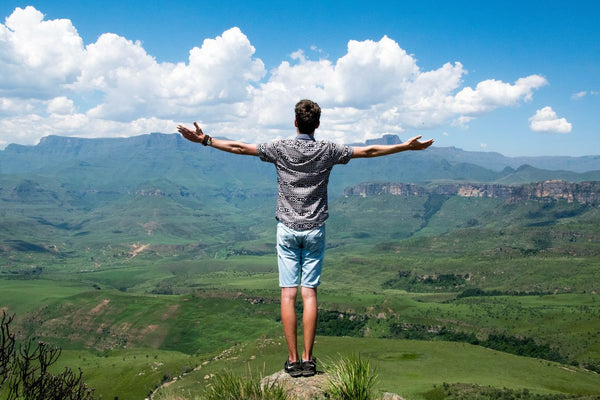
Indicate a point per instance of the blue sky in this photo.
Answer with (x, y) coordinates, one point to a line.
(519, 78)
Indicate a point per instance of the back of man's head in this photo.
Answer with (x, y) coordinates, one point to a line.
(308, 115)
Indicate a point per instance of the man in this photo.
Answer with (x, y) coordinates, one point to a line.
(303, 166)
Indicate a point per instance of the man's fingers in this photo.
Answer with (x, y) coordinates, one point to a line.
(186, 131)
(427, 143)
(418, 145)
(198, 130)
(413, 140)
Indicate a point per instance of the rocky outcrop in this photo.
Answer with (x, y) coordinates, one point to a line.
(587, 193)
(374, 189)
(311, 388)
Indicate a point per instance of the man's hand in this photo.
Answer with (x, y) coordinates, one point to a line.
(229, 146)
(196, 136)
(415, 144)
(378, 150)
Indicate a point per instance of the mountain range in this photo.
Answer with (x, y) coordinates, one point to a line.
(65, 195)
(129, 163)
(123, 246)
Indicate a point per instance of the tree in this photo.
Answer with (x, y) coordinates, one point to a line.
(24, 370)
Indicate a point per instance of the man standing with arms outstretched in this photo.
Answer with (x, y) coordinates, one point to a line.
(303, 166)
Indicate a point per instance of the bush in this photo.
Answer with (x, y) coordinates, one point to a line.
(227, 386)
(351, 379)
(24, 370)
(337, 323)
(522, 346)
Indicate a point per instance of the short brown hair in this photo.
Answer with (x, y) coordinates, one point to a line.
(308, 115)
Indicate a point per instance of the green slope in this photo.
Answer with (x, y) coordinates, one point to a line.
(410, 368)
(123, 251)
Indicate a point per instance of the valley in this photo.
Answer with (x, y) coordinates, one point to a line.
(159, 260)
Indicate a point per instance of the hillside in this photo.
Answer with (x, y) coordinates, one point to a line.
(148, 257)
(87, 204)
(126, 162)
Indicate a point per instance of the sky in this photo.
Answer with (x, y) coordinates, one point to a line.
(521, 78)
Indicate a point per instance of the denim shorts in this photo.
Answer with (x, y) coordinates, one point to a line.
(300, 256)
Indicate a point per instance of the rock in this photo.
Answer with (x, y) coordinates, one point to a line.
(299, 388)
(311, 388)
(391, 396)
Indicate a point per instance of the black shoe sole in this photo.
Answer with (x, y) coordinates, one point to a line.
(296, 374)
(309, 370)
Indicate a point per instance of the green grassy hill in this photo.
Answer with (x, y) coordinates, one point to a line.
(146, 258)
(413, 369)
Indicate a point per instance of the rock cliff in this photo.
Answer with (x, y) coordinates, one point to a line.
(587, 193)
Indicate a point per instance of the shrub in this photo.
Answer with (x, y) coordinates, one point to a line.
(227, 386)
(337, 323)
(351, 378)
(24, 370)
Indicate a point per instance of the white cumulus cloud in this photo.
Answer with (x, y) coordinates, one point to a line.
(37, 56)
(546, 120)
(371, 72)
(51, 80)
(61, 105)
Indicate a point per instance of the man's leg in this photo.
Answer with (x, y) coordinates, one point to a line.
(313, 253)
(288, 320)
(309, 320)
(288, 261)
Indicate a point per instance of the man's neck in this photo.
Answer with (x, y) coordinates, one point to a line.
(305, 136)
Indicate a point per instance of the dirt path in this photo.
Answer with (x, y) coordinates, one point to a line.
(138, 248)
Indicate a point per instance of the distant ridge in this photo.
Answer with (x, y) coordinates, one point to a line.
(587, 193)
(491, 160)
(497, 162)
(130, 162)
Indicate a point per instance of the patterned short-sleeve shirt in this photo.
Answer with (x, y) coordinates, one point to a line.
(303, 166)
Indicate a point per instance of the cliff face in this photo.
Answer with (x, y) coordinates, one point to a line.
(375, 189)
(585, 192)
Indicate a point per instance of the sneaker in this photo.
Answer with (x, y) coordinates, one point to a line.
(293, 368)
(309, 368)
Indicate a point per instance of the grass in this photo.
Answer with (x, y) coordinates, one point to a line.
(24, 296)
(104, 320)
(127, 373)
(229, 386)
(208, 283)
(351, 378)
(410, 368)
(193, 329)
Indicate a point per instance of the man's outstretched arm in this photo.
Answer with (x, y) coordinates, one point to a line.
(229, 146)
(378, 150)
